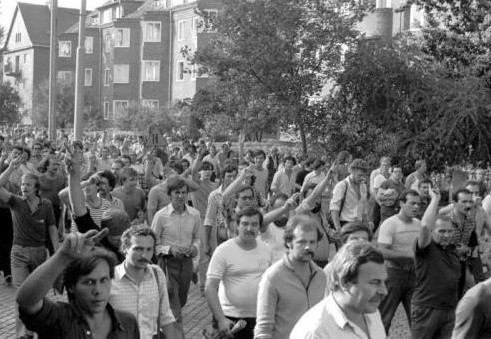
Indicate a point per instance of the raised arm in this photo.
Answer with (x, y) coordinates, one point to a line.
(4, 178)
(321, 186)
(428, 220)
(77, 197)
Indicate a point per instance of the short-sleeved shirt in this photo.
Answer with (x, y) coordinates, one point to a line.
(50, 187)
(400, 236)
(239, 272)
(432, 263)
(133, 202)
(30, 228)
(64, 320)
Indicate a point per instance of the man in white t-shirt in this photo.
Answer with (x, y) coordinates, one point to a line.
(396, 241)
(234, 273)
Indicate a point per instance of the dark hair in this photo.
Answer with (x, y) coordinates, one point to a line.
(346, 264)
(249, 212)
(118, 161)
(303, 221)
(318, 163)
(206, 166)
(128, 172)
(84, 266)
(136, 231)
(455, 195)
(176, 183)
(342, 157)
(242, 189)
(425, 181)
(403, 196)
(259, 152)
(358, 164)
(176, 166)
(185, 160)
(352, 227)
(228, 169)
(111, 179)
(290, 158)
(480, 184)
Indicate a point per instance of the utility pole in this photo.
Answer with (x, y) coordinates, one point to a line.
(52, 74)
(80, 76)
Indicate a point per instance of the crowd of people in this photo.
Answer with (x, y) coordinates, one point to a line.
(281, 245)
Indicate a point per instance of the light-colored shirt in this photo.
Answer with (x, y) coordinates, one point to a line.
(215, 214)
(327, 320)
(144, 300)
(283, 298)
(283, 183)
(239, 272)
(172, 228)
(354, 207)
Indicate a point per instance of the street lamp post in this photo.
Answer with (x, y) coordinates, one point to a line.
(80, 75)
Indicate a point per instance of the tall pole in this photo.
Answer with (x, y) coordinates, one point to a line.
(80, 75)
(52, 74)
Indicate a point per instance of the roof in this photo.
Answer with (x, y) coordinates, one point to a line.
(146, 7)
(37, 21)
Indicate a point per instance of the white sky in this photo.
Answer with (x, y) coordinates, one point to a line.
(7, 7)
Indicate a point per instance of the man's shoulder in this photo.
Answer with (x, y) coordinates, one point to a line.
(191, 210)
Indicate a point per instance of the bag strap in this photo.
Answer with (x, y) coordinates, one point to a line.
(156, 274)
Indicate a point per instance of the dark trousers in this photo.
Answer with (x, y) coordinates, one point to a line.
(179, 273)
(400, 288)
(6, 235)
(429, 323)
(246, 333)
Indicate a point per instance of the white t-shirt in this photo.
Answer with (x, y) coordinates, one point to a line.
(400, 235)
(239, 272)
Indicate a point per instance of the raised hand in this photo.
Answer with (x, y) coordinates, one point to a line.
(77, 245)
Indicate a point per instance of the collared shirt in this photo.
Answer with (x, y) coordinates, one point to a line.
(30, 227)
(354, 206)
(174, 229)
(215, 213)
(144, 300)
(283, 183)
(64, 320)
(283, 298)
(327, 320)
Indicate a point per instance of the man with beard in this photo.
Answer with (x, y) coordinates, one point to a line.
(396, 241)
(234, 273)
(356, 284)
(293, 285)
(437, 276)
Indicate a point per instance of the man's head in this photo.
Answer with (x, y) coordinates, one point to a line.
(177, 189)
(88, 281)
(52, 165)
(116, 167)
(356, 230)
(396, 174)
(205, 171)
(126, 160)
(420, 166)
(229, 173)
(30, 185)
(278, 201)
(424, 187)
(289, 163)
(259, 157)
(318, 165)
(37, 149)
(358, 171)
(116, 221)
(249, 222)
(463, 201)
(105, 152)
(129, 178)
(138, 245)
(357, 277)
(409, 202)
(443, 230)
(185, 164)
(301, 237)
(245, 197)
(477, 189)
(107, 181)
(384, 164)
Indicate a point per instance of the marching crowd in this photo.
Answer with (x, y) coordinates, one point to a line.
(282, 245)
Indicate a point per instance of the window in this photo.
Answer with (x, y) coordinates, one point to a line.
(65, 76)
(89, 44)
(107, 42)
(122, 38)
(152, 104)
(18, 37)
(181, 28)
(26, 58)
(107, 110)
(180, 71)
(119, 106)
(117, 12)
(107, 16)
(64, 49)
(107, 77)
(17, 63)
(383, 4)
(151, 32)
(121, 74)
(195, 25)
(209, 19)
(88, 77)
(151, 70)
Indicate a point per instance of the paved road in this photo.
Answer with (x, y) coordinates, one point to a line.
(196, 316)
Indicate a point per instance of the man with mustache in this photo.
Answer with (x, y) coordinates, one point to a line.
(235, 270)
(356, 283)
(140, 288)
(437, 276)
(396, 240)
(292, 285)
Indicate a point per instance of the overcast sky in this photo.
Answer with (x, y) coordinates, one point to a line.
(7, 7)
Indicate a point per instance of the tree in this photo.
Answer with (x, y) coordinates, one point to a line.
(139, 118)
(65, 103)
(9, 104)
(282, 50)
